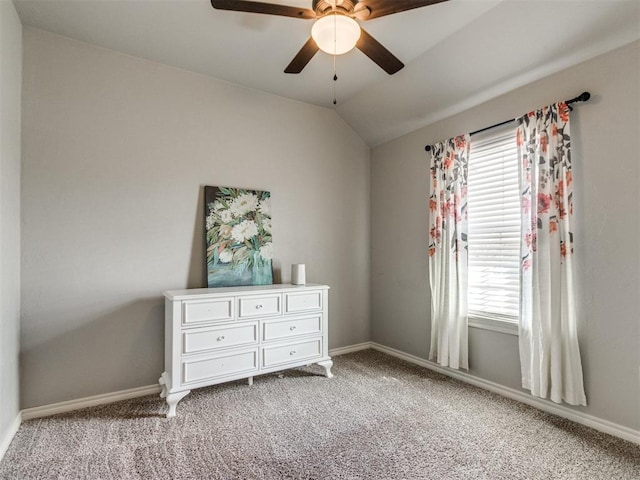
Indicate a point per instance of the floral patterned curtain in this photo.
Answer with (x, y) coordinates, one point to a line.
(448, 252)
(549, 353)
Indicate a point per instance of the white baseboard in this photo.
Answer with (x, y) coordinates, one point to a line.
(68, 406)
(600, 424)
(13, 429)
(334, 352)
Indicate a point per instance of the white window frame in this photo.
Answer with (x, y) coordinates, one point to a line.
(494, 322)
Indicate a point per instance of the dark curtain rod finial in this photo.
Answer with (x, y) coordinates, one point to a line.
(583, 97)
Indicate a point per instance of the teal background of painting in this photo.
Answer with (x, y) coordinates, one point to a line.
(220, 275)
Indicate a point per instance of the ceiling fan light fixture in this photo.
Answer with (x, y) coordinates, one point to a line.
(336, 34)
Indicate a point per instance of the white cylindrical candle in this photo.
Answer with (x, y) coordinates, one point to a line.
(298, 274)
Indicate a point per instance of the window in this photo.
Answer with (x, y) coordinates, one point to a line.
(493, 200)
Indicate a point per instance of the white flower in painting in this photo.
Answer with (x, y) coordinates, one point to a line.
(266, 251)
(211, 221)
(265, 207)
(226, 256)
(244, 203)
(226, 216)
(244, 230)
(266, 225)
(217, 206)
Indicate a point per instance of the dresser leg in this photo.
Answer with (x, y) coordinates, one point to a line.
(250, 381)
(327, 364)
(172, 401)
(163, 384)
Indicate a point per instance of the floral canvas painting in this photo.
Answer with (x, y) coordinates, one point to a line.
(238, 236)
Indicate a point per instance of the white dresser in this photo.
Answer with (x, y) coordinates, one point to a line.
(214, 335)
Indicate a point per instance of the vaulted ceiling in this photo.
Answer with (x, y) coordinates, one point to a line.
(458, 53)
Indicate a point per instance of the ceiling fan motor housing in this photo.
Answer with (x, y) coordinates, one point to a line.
(323, 7)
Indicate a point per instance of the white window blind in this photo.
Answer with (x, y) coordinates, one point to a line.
(493, 200)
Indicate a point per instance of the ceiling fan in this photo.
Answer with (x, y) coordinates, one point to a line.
(335, 30)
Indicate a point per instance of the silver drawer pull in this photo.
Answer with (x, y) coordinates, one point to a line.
(258, 307)
(220, 338)
(292, 352)
(292, 328)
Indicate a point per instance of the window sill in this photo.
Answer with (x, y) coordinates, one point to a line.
(510, 328)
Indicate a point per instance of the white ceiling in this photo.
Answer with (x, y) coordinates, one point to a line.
(457, 54)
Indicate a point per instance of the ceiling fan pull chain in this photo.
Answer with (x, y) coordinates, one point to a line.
(335, 41)
(335, 79)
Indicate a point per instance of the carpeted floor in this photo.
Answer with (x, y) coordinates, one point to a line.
(379, 418)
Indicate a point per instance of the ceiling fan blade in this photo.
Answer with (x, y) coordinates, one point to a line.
(260, 7)
(380, 8)
(378, 53)
(303, 57)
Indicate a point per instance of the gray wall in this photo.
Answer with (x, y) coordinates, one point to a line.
(10, 105)
(116, 151)
(606, 133)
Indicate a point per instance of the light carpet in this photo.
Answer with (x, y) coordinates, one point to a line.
(379, 418)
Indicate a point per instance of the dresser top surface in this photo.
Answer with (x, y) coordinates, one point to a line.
(253, 289)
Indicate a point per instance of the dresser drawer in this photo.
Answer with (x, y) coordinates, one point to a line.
(221, 365)
(200, 339)
(259, 306)
(290, 353)
(303, 301)
(291, 327)
(212, 310)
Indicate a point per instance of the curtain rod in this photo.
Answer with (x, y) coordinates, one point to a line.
(583, 97)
